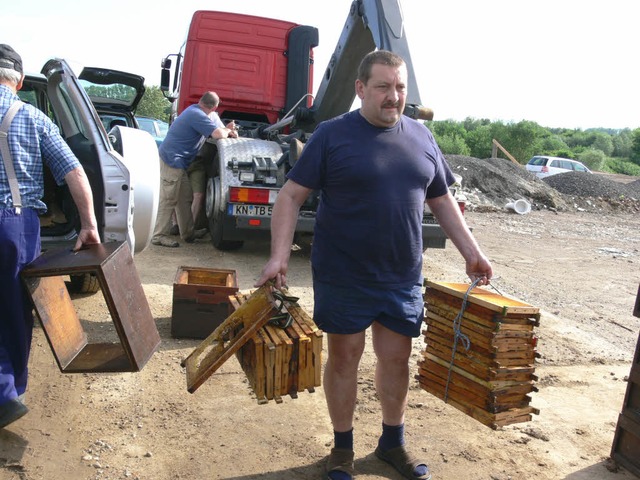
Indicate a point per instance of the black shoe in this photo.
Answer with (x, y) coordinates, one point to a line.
(165, 242)
(197, 235)
(12, 411)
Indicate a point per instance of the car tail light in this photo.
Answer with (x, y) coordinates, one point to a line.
(462, 205)
(545, 169)
(249, 195)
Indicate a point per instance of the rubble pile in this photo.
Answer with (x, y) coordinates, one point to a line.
(489, 184)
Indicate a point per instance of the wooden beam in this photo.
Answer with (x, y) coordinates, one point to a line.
(494, 152)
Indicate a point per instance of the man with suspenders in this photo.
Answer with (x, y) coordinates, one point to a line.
(28, 141)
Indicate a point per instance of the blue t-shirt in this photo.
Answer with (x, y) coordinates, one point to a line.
(373, 184)
(186, 135)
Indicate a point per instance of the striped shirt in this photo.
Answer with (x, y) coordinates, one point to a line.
(33, 139)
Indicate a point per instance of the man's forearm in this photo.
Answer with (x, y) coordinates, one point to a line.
(283, 226)
(82, 196)
(450, 218)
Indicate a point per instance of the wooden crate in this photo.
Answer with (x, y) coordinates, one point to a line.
(492, 380)
(282, 361)
(200, 300)
(117, 276)
(626, 441)
(626, 444)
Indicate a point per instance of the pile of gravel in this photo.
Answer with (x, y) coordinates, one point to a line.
(585, 185)
(491, 183)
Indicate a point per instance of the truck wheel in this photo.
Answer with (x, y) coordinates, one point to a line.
(215, 212)
(84, 283)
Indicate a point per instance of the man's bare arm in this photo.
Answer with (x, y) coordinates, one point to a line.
(82, 196)
(446, 210)
(283, 226)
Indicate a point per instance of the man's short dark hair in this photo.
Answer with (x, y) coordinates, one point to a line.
(10, 59)
(210, 99)
(382, 57)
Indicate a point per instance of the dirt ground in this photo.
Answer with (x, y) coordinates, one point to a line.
(581, 269)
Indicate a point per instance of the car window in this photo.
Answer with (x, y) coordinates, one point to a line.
(555, 163)
(34, 93)
(146, 124)
(164, 128)
(579, 167)
(566, 164)
(116, 93)
(538, 161)
(71, 120)
(110, 121)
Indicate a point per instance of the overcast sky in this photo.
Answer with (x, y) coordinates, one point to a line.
(560, 63)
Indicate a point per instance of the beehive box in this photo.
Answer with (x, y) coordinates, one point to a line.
(626, 442)
(200, 300)
(490, 381)
(282, 361)
(75, 350)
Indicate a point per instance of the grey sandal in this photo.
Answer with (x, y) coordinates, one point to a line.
(404, 462)
(341, 460)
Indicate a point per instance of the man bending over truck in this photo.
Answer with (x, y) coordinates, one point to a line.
(186, 135)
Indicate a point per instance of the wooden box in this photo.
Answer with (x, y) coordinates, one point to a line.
(113, 266)
(282, 361)
(200, 300)
(490, 372)
(626, 442)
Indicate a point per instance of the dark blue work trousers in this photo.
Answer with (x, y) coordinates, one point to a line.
(19, 245)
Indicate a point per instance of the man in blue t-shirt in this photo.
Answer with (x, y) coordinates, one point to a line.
(186, 135)
(375, 168)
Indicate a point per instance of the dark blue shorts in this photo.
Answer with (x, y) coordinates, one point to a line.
(352, 309)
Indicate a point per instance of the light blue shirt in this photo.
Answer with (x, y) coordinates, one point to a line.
(33, 139)
(186, 135)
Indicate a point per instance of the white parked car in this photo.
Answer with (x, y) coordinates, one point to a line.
(125, 183)
(544, 166)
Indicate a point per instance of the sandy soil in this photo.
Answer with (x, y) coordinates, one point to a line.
(580, 269)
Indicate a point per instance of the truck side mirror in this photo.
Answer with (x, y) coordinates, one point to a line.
(165, 78)
(165, 74)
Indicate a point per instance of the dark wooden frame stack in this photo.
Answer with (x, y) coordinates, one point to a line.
(75, 352)
(492, 379)
(626, 442)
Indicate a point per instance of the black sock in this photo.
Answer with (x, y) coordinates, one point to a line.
(343, 440)
(392, 436)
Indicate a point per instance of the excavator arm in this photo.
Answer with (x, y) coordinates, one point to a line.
(370, 25)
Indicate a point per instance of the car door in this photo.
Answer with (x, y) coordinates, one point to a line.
(119, 184)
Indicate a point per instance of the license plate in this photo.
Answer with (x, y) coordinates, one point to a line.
(250, 210)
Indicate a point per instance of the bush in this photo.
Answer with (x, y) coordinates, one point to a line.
(453, 145)
(593, 158)
(625, 167)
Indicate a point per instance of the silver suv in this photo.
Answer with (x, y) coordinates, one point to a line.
(544, 166)
(123, 168)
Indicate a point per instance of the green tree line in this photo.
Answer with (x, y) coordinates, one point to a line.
(154, 104)
(601, 149)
